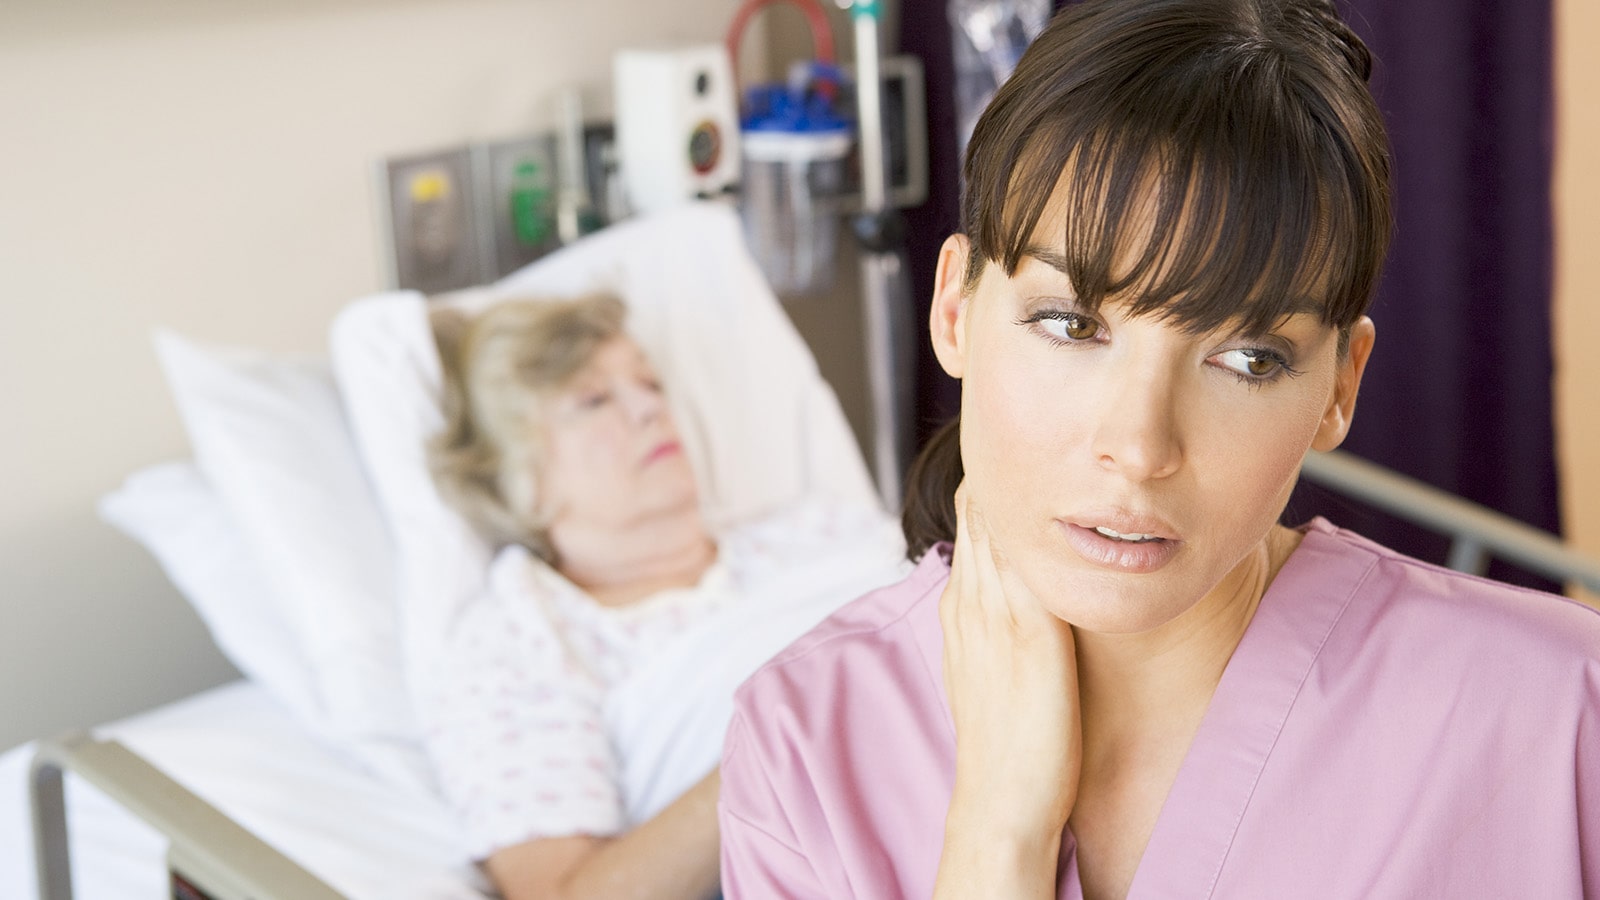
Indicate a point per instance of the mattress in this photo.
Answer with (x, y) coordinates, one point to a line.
(237, 749)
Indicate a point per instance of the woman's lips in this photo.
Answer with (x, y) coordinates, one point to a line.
(662, 451)
(1134, 556)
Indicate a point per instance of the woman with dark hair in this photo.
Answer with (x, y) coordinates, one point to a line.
(1113, 673)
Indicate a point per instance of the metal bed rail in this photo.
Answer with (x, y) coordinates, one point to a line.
(1478, 533)
(210, 852)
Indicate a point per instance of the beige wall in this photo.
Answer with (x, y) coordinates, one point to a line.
(207, 166)
(1577, 311)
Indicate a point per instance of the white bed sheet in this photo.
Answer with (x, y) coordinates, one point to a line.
(236, 748)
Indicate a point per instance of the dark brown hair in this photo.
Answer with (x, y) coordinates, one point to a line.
(1245, 126)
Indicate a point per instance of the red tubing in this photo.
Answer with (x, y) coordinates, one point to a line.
(821, 32)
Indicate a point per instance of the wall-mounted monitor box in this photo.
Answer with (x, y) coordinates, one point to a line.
(468, 215)
(432, 221)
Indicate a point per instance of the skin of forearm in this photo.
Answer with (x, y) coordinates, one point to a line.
(673, 856)
(980, 861)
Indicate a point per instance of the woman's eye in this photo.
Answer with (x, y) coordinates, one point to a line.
(1069, 326)
(594, 399)
(1252, 362)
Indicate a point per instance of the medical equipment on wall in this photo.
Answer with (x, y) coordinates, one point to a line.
(795, 146)
(795, 190)
(577, 214)
(677, 125)
(885, 282)
(465, 215)
(796, 141)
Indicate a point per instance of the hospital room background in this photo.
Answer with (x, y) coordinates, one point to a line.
(207, 167)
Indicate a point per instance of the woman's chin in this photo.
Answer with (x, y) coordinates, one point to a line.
(671, 500)
(1112, 603)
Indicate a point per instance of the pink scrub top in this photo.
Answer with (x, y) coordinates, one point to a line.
(1386, 728)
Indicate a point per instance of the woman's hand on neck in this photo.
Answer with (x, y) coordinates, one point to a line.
(620, 563)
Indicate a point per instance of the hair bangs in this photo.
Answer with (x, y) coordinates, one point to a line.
(1214, 189)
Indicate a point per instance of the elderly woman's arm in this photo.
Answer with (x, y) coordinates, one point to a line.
(672, 856)
(519, 744)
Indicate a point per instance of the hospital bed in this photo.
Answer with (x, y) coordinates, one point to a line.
(307, 534)
(283, 785)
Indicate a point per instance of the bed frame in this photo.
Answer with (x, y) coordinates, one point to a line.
(1478, 534)
(210, 856)
(213, 858)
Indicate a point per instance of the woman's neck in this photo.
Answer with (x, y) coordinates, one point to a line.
(619, 565)
(1161, 681)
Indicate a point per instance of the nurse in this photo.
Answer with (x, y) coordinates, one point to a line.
(1113, 673)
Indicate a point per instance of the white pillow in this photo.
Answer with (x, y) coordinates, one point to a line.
(388, 371)
(170, 510)
(760, 426)
(269, 434)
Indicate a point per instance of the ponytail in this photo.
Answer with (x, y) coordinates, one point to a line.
(930, 511)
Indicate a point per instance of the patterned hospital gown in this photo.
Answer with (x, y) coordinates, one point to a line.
(515, 715)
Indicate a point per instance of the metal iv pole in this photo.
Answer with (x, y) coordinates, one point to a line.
(880, 231)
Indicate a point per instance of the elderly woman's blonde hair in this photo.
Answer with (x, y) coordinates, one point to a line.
(500, 368)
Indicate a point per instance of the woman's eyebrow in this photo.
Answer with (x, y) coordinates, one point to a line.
(1302, 304)
(1047, 256)
(1297, 306)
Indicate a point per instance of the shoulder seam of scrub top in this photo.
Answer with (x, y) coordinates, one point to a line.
(795, 652)
(1387, 555)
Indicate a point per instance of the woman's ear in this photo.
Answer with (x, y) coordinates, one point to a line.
(1341, 409)
(947, 315)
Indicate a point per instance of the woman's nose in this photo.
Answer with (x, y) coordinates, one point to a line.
(1137, 434)
(644, 404)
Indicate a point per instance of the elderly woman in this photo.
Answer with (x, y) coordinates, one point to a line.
(559, 446)
(559, 442)
(1113, 673)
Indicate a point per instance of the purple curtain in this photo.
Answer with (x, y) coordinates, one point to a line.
(1458, 391)
(925, 32)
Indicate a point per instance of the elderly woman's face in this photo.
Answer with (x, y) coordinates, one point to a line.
(613, 457)
(1124, 467)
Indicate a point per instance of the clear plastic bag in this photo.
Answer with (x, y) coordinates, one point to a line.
(791, 180)
(989, 36)
(795, 144)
